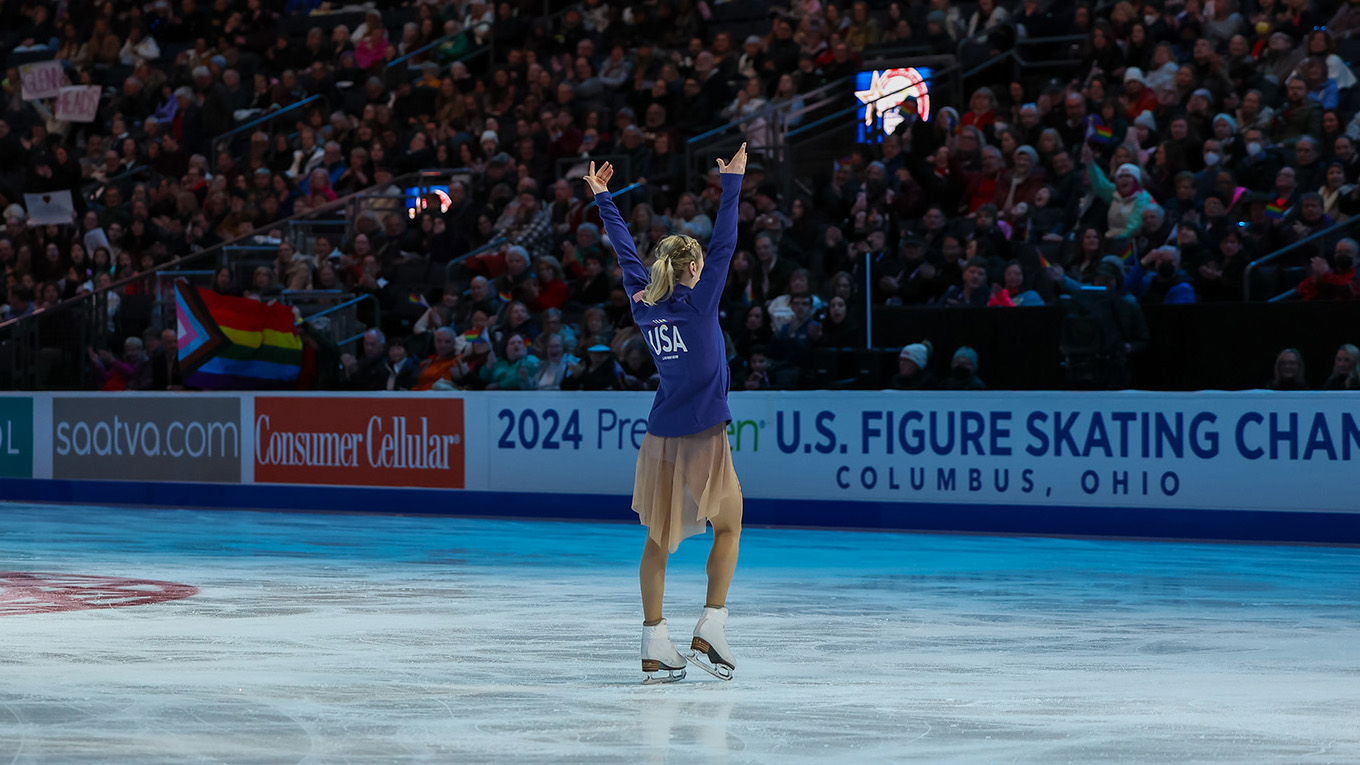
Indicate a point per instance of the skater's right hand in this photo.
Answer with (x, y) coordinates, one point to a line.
(738, 164)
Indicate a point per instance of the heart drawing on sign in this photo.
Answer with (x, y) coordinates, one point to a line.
(47, 199)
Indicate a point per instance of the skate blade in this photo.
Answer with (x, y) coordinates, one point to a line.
(675, 676)
(701, 653)
(720, 671)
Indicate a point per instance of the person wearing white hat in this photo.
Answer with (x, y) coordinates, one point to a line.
(1137, 97)
(1126, 196)
(911, 369)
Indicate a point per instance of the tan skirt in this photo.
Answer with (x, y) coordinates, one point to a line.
(683, 481)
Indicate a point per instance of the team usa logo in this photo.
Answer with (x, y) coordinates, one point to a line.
(665, 340)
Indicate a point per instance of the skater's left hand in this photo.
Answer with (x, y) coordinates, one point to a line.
(598, 180)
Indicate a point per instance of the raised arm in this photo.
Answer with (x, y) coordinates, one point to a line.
(724, 241)
(1099, 183)
(634, 273)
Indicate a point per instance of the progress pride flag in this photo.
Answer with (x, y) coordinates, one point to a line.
(416, 442)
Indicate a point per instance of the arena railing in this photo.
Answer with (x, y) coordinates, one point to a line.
(89, 190)
(726, 138)
(451, 269)
(1330, 232)
(1021, 64)
(488, 49)
(55, 338)
(226, 138)
(339, 327)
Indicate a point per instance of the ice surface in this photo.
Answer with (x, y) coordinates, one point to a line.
(334, 638)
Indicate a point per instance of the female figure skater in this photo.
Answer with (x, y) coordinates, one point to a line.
(685, 479)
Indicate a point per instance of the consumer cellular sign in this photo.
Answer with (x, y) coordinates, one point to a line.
(360, 441)
(170, 438)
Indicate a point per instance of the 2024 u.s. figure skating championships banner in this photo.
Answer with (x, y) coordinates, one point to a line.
(1054, 462)
(1230, 451)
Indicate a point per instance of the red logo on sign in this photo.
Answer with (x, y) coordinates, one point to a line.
(360, 441)
(32, 593)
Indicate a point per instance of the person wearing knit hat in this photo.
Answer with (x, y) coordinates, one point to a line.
(1225, 126)
(911, 368)
(963, 371)
(1018, 187)
(1137, 97)
(1126, 196)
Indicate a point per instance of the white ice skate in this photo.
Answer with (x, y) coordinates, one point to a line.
(709, 649)
(658, 653)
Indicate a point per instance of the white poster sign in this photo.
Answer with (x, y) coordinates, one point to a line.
(42, 79)
(50, 207)
(78, 103)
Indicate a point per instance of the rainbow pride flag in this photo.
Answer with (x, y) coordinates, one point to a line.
(1276, 210)
(1127, 253)
(231, 343)
(1102, 134)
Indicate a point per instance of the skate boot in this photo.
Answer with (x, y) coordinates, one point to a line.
(659, 654)
(709, 648)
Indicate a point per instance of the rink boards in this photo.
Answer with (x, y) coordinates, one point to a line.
(1247, 466)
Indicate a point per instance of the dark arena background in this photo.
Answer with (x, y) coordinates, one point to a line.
(321, 396)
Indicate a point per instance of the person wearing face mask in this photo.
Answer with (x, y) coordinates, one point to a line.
(1259, 162)
(1330, 280)
(963, 371)
(1213, 163)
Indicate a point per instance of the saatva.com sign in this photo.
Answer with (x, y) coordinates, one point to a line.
(145, 438)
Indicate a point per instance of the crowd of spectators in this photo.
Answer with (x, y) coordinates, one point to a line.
(1191, 139)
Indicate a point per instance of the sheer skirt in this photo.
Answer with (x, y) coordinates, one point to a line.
(683, 481)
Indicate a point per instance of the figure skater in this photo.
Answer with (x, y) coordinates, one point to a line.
(685, 478)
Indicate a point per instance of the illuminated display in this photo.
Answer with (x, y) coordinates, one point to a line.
(882, 92)
(415, 203)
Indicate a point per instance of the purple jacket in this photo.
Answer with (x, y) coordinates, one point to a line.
(682, 332)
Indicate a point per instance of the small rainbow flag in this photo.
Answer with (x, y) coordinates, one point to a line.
(235, 343)
(1102, 134)
(506, 296)
(415, 298)
(1043, 262)
(473, 336)
(1127, 252)
(1275, 210)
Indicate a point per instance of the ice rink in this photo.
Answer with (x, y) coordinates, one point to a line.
(335, 639)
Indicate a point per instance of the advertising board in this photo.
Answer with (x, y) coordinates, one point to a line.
(147, 438)
(407, 441)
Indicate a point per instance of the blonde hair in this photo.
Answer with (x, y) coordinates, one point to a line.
(673, 256)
